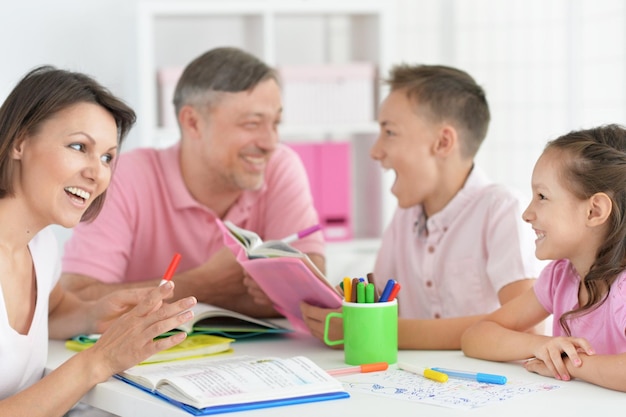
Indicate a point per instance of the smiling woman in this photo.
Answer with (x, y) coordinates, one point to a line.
(59, 134)
(66, 164)
(45, 96)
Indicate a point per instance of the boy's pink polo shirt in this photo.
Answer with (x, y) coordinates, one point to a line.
(454, 263)
(149, 215)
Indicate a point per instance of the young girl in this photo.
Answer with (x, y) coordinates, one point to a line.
(578, 212)
(59, 134)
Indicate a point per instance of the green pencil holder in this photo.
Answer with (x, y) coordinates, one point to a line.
(370, 332)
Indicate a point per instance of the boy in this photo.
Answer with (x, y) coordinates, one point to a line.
(457, 243)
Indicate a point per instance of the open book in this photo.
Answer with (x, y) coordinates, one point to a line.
(216, 385)
(286, 275)
(209, 319)
(255, 247)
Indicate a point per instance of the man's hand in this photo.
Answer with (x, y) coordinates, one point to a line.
(218, 281)
(258, 296)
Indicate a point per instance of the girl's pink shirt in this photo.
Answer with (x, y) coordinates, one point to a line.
(604, 327)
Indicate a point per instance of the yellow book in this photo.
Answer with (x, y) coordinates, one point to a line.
(194, 346)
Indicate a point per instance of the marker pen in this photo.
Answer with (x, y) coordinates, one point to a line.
(367, 367)
(476, 376)
(425, 372)
(387, 291)
(302, 233)
(171, 269)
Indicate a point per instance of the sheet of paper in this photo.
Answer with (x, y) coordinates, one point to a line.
(456, 393)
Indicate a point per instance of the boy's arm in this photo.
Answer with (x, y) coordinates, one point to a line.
(412, 333)
(435, 334)
(447, 333)
(515, 289)
(503, 335)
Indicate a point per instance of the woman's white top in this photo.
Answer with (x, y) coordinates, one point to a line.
(23, 356)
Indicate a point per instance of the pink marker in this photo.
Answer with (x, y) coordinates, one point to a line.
(302, 233)
(366, 367)
(171, 269)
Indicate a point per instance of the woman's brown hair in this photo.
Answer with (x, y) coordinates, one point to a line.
(43, 92)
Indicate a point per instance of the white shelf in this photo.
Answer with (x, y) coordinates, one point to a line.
(354, 258)
(288, 133)
(281, 32)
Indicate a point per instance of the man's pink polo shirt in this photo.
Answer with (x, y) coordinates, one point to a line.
(149, 215)
(454, 263)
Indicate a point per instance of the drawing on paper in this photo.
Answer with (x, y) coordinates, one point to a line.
(456, 393)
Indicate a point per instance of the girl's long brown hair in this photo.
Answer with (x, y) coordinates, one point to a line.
(596, 162)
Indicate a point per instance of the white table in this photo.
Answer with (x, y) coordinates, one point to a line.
(574, 398)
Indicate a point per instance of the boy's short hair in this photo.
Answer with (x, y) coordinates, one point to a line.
(448, 94)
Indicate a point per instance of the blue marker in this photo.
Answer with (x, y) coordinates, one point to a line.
(480, 377)
(387, 291)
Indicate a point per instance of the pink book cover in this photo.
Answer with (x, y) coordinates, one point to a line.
(287, 281)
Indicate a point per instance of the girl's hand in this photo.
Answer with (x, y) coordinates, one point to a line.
(552, 353)
(537, 366)
(130, 339)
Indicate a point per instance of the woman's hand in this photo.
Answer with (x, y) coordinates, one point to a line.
(109, 308)
(129, 339)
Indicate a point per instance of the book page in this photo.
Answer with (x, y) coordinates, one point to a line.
(150, 375)
(208, 316)
(274, 249)
(204, 383)
(247, 238)
(256, 248)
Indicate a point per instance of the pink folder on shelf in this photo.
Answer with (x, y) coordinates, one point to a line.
(287, 280)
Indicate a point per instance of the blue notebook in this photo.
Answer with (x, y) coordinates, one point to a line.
(214, 386)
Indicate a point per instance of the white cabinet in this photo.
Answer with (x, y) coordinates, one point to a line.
(282, 33)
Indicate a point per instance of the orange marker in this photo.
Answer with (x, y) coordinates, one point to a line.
(171, 269)
(367, 367)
